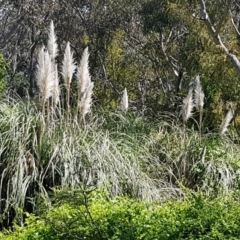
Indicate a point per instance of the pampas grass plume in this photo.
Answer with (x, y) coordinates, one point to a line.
(124, 103)
(187, 106)
(68, 69)
(45, 77)
(86, 100)
(52, 42)
(68, 66)
(40, 68)
(226, 121)
(83, 75)
(199, 95)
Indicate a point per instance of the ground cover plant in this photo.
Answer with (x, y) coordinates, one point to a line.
(84, 215)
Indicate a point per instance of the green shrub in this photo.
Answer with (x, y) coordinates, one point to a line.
(94, 216)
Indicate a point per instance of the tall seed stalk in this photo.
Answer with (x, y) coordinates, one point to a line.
(56, 89)
(199, 101)
(83, 78)
(68, 68)
(53, 52)
(52, 42)
(45, 77)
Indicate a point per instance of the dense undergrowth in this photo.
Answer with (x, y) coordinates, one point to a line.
(124, 154)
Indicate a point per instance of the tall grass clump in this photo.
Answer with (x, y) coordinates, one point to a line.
(19, 151)
(40, 152)
(184, 159)
(35, 157)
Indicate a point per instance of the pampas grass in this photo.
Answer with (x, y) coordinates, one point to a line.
(52, 42)
(85, 86)
(199, 95)
(199, 100)
(68, 68)
(83, 75)
(226, 121)
(45, 76)
(187, 106)
(86, 100)
(124, 103)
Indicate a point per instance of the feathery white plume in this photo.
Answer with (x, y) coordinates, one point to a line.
(226, 121)
(56, 89)
(86, 100)
(83, 75)
(199, 95)
(40, 67)
(68, 66)
(52, 42)
(45, 77)
(124, 103)
(187, 106)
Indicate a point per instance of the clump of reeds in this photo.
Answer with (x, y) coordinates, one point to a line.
(48, 80)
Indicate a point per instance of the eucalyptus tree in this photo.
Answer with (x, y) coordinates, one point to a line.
(223, 25)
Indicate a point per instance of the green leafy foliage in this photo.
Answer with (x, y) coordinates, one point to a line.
(99, 217)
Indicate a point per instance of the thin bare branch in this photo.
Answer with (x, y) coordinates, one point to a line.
(216, 37)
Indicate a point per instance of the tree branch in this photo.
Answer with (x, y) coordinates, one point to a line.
(235, 27)
(216, 37)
